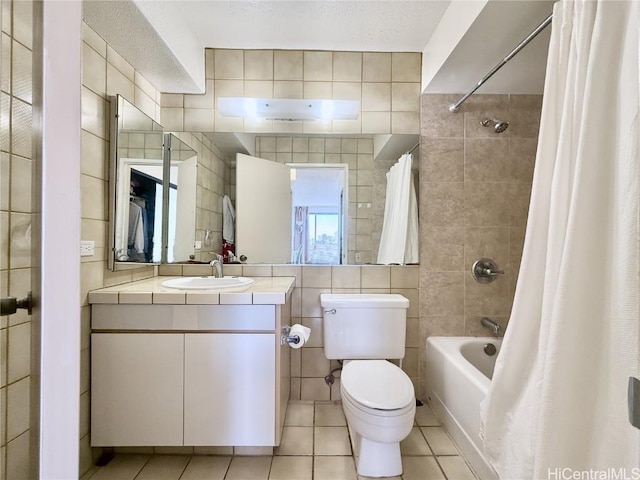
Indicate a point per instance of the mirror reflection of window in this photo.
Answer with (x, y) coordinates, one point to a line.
(318, 214)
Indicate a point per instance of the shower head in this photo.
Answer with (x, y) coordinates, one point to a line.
(498, 125)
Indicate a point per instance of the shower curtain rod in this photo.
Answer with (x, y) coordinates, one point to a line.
(454, 107)
(413, 148)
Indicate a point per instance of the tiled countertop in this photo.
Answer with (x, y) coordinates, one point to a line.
(265, 291)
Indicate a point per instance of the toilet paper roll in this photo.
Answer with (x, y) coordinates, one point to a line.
(302, 332)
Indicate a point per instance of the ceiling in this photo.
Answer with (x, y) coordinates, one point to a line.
(461, 39)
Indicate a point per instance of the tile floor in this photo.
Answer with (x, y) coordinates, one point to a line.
(315, 446)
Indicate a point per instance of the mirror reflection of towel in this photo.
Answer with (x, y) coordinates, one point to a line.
(136, 228)
(228, 220)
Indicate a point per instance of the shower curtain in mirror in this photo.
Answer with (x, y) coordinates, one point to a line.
(399, 240)
(558, 398)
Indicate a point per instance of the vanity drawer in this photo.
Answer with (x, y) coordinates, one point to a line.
(183, 317)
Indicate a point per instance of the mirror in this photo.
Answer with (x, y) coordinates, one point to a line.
(153, 178)
(153, 225)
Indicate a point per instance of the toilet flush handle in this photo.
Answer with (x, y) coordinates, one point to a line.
(332, 311)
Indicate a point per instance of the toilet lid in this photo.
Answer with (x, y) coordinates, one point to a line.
(377, 384)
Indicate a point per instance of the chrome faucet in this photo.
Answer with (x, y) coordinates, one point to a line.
(490, 324)
(217, 263)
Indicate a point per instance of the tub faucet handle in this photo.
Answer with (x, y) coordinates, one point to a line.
(485, 270)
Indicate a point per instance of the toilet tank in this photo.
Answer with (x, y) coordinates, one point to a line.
(364, 326)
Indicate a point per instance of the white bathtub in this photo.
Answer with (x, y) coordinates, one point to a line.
(458, 378)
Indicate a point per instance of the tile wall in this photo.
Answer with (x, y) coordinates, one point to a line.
(16, 161)
(474, 198)
(387, 84)
(355, 152)
(308, 364)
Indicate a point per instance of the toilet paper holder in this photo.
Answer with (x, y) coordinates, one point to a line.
(286, 338)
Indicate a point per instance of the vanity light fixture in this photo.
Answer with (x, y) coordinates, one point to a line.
(289, 109)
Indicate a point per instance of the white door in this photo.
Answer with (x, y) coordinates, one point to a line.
(263, 210)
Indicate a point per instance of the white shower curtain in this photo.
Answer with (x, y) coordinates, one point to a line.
(399, 240)
(559, 394)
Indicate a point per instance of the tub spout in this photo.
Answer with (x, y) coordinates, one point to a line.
(490, 324)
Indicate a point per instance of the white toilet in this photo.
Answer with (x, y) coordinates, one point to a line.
(378, 398)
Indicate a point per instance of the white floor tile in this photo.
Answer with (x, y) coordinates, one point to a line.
(206, 468)
(164, 467)
(291, 468)
(334, 468)
(331, 441)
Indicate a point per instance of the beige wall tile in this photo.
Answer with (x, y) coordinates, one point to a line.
(287, 65)
(347, 91)
(314, 389)
(115, 59)
(441, 159)
(437, 121)
(229, 64)
(20, 184)
(406, 67)
(258, 64)
(376, 277)
(376, 67)
(94, 40)
(94, 70)
(405, 97)
(175, 100)
(93, 200)
(488, 204)
(311, 301)
(18, 406)
(316, 277)
(198, 119)
(407, 276)
(376, 122)
(119, 84)
(444, 294)
(205, 100)
(442, 248)
(318, 66)
(314, 363)
(487, 160)
(287, 89)
(317, 90)
(172, 118)
(258, 88)
(376, 97)
(442, 203)
(405, 122)
(347, 67)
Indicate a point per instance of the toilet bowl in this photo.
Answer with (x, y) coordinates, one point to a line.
(378, 399)
(379, 404)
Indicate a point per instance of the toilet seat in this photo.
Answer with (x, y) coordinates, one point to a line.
(377, 387)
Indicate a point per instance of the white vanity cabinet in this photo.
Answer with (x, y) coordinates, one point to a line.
(136, 390)
(197, 375)
(229, 389)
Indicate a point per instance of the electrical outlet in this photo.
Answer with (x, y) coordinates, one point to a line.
(359, 257)
(198, 244)
(87, 248)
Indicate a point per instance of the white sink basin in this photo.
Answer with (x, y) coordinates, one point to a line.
(207, 283)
